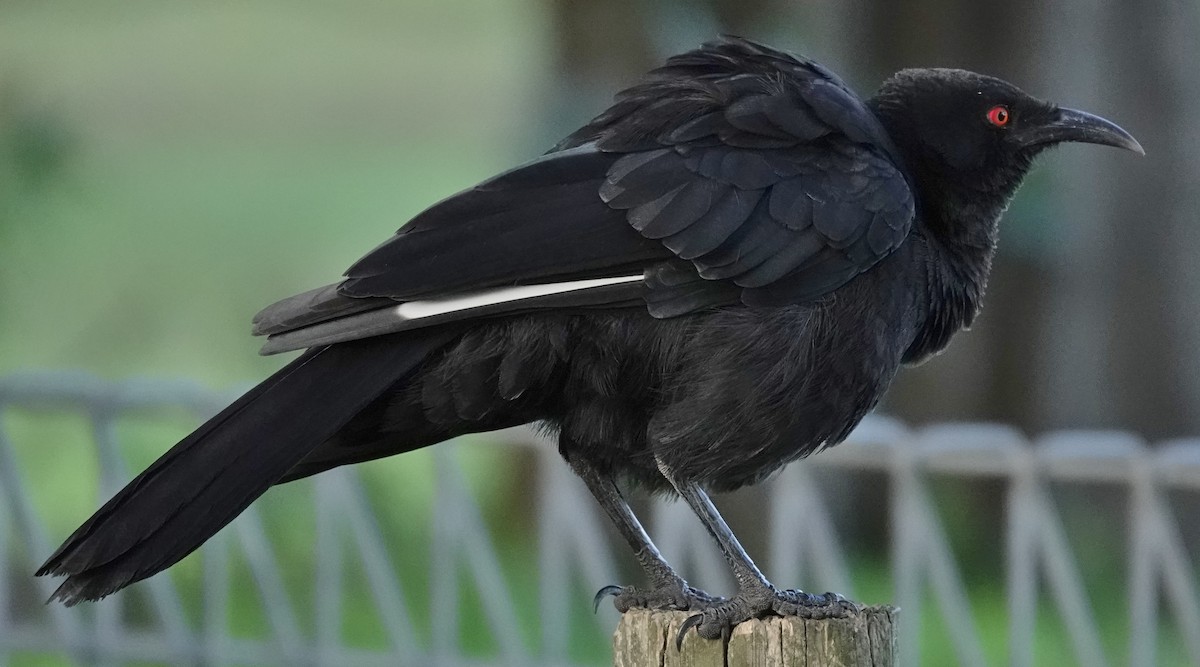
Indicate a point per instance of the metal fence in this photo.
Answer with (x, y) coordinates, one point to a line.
(1042, 579)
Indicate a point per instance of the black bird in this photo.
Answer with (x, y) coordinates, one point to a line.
(718, 275)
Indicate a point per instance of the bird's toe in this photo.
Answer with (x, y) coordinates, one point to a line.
(809, 605)
(676, 596)
(719, 620)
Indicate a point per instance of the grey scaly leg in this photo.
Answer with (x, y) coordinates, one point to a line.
(756, 597)
(667, 589)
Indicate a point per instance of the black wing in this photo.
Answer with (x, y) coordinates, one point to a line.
(735, 173)
(778, 180)
(540, 222)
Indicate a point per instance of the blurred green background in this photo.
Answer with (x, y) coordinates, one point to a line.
(166, 169)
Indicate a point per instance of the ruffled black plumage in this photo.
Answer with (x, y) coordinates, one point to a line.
(765, 249)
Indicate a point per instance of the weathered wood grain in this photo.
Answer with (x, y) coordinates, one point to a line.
(646, 638)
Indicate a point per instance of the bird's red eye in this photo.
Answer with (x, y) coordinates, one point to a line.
(998, 116)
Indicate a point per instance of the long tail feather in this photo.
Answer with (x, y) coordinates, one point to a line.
(207, 479)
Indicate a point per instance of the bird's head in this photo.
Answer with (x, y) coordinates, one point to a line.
(978, 132)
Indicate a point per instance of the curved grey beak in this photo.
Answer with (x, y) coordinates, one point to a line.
(1079, 126)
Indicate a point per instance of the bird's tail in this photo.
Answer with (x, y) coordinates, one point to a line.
(210, 476)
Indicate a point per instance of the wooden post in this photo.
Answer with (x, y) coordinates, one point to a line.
(646, 638)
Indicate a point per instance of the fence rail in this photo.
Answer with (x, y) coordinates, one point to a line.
(1041, 565)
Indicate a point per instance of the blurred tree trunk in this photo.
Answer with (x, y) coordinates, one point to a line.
(608, 43)
(740, 17)
(1119, 342)
(603, 43)
(1150, 79)
(600, 47)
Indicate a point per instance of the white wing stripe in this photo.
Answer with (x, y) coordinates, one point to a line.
(415, 310)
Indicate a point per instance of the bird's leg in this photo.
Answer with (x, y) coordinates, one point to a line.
(667, 589)
(756, 597)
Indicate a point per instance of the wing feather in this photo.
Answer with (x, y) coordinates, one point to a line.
(710, 230)
(695, 200)
(753, 175)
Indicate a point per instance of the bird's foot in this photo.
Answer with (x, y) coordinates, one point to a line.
(676, 595)
(719, 620)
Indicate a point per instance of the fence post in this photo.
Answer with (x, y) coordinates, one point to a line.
(646, 638)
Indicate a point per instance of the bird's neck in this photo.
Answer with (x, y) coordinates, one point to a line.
(959, 235)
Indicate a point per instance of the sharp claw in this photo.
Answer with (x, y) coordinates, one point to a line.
(691, 622)
(603, 593)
